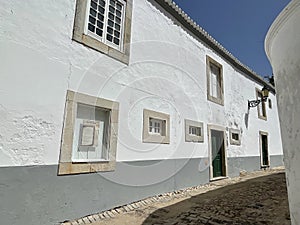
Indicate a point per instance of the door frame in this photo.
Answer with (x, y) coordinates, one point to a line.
(261, 151)
(211, 127)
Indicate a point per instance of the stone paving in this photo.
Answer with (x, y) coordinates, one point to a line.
(253, 198)
(258, 201)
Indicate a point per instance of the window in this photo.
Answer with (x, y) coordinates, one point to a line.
(270, 103)
(193, 131)
(104, 25)
(106, 21)
(261, 107)
(235, 136)
(214, 72)
(89, 139)
(156, 127)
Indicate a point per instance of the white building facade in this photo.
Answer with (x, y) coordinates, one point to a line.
(105, 102)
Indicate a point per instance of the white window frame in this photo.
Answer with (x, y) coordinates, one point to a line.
(232, 140)
(83, 36)
(192, 137)
(103, 39)
(66, 164)
(220, 89)
(163, 137)
(156, 126)
(261, 107)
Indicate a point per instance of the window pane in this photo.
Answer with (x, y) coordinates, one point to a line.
(214, 81)
(101, 10)
(118, 13)
(111, 9)
(91, 27)
(99, 32)
(102, 3)
(112, 2)
(93, 12)
(118, 20)
(111, 16)
(92, 20)
(109, 30)
(119, 7)
(117, 34)
(235, 136)
(110, 23)
(94, 5)
(100, 17)
(109, 37)
(100, 24)
(117, 27)
(116, 41)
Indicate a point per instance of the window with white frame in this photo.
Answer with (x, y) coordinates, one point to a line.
(261, 108)
(106, 21)
(196, 131)
(235, 136)
(89, 139)
(104, 25)
(156, 127)
(214, 81)
(193, 131)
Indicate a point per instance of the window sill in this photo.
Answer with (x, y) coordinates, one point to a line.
(89, 160)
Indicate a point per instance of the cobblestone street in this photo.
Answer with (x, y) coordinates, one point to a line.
(255, 198)
(260, 200)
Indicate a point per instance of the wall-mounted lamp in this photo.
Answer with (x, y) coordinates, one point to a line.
(265, 95)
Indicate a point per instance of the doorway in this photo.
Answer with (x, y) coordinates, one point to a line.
(264, 149)
(217, 152)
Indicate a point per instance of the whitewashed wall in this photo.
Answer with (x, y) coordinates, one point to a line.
(282, 46)
(167, 73)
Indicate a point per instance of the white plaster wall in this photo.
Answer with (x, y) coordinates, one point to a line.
(167, 73)
(283, 49)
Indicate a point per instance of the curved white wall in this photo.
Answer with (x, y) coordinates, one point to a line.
(283, 49)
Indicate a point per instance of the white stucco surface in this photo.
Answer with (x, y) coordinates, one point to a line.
(166, 73)
(283, 49)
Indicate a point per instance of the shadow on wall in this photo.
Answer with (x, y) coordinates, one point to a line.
(247, 118)
(249, 202)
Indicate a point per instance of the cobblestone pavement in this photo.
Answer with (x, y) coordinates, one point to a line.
(254, 198)
(258, 201)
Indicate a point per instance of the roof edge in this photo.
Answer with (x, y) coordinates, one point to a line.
(198, 31)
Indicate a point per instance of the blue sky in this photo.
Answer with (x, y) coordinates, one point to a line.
(239, 25)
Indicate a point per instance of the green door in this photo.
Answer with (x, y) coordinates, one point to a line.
(264, 148)
(217, 147)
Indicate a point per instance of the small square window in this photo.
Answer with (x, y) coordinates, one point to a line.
(193, 131)
(89, 139)
(214, 72)
(235, 136)
(156, 127)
